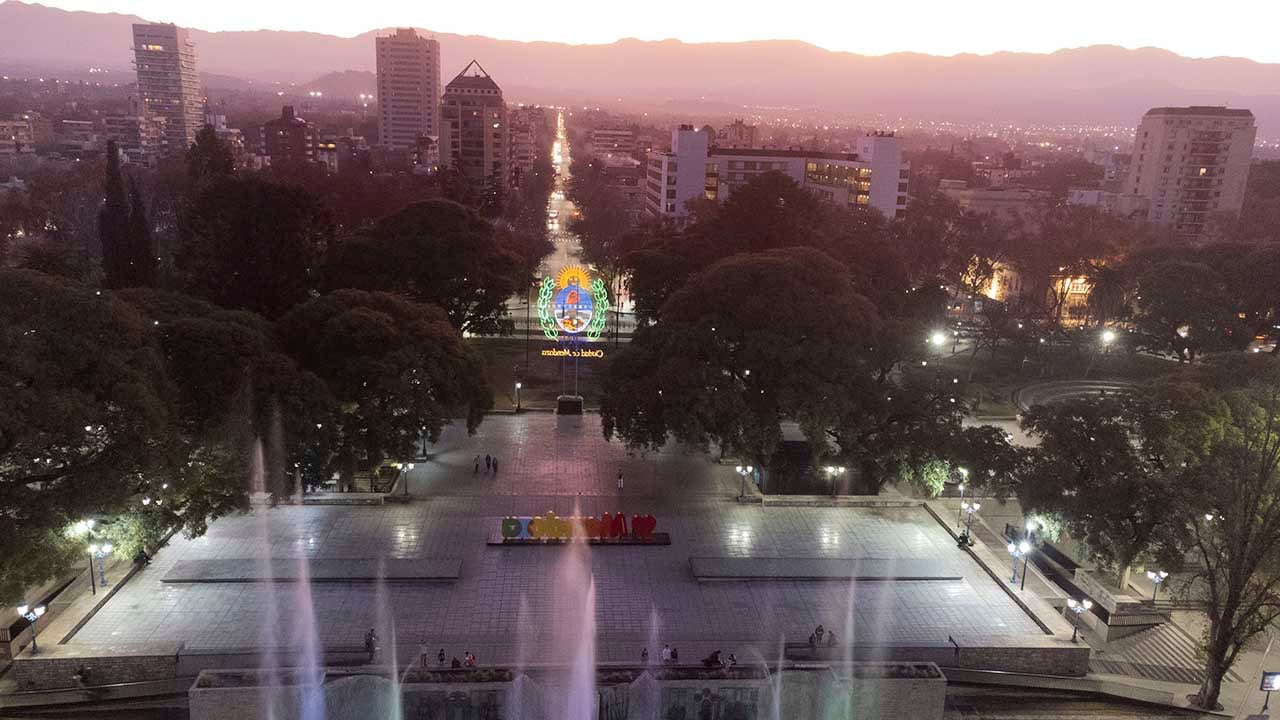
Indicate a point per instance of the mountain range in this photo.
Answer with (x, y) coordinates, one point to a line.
(1094, 85)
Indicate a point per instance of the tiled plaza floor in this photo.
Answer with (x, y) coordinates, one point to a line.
(512, 603)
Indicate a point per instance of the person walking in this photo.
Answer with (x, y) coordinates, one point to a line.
(440, 657)
(675, 656)
(644, 656)
(488, 462)
(477, 470)
(495, 464)
(371, 644)
(666, 654)
(619, 479)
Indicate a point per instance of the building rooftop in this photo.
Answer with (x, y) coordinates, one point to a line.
(777, 152)
(1221, 110)
(479, 81)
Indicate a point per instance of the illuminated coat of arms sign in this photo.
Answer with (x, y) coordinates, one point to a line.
(572, 304)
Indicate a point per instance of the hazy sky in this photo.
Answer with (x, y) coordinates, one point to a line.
(1198, 28)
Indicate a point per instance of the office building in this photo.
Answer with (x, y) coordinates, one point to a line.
(408, 89)
(1190, 162)
(290, 140)
(165, 59)
(875, 176)
(138, 133)
(16, 136)
(612, 141)
(473, 141)
(737, 135)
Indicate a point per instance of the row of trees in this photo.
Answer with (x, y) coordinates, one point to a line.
(140, 393)
(1184, 472)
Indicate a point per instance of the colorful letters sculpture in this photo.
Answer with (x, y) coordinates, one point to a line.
(553, 527)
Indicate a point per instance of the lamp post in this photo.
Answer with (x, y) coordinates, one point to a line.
(404, 484)
(1078, 607)
(518, 386)
(1019, 551)
(1156, 577)
(970, 508)
(744, 472)
(32, 614)
(964, 475)
(81, 529)
(1106, 338)
(101, 552)
(833, 472)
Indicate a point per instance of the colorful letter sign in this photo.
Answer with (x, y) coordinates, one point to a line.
(572, 304)
(608, 526)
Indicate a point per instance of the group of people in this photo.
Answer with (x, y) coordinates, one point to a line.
(671, 656)
(468, 660)
(490, 464)
(821, 634)
(714, 660)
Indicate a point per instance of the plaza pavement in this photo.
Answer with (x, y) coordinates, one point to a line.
(507, 605)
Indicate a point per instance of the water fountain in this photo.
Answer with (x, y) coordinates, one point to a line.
(575, 634)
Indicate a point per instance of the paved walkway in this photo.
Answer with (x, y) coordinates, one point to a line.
(514, 603)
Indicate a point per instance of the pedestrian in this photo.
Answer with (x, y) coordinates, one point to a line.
(813, 641)
(456, 663)
(488, 462)
(831, 638)
(495, 464)
(733, 660)
(666, 654)
(371, 643)
(675, 656)
(440, 657)
(819, 632)
(644, 656)
(477, 470)
(619, 479)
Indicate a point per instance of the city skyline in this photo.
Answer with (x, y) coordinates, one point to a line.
(990, 26)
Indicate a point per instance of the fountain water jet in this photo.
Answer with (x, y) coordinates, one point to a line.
(268, 641)
(310, 663)
(575, 631)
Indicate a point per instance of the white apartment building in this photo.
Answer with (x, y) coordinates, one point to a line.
(165, 59)
(16, 136)
(874, 176)
(1191, 161)
(408, 89)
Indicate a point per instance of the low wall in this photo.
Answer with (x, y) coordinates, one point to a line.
(55, 666)
(1052, 657)
(862, 690)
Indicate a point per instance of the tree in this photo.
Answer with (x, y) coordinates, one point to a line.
(209, 158)
(251, 244)
(754, 340)
(396, 368)
(1184, 308)
(84, 409)
(143, 262)
(436, 252)
(113, 224)
(1088, 472)
(1224, 528)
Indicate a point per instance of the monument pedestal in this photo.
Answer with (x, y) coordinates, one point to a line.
(569, 405)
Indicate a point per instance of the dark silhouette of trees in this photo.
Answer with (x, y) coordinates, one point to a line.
(436, 252)
(251, 244)
(209, 158)
(396, 368)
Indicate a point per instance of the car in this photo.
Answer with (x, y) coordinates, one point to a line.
(553, 214)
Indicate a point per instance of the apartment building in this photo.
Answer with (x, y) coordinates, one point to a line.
(1190, 162)
(875, 176)
(473, 141)
(168, 84)
(408, 68)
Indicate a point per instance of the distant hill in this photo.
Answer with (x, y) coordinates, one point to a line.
(1099, 84)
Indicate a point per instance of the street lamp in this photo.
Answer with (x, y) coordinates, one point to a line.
(1019, 551)
(1079, 607)
(964, 475)
(937, 338)
(744, 472)
(1032, 526)
(970, 508)
(32, 615)
(1156, 577)
(404, 483)
(518, 386)
(834, 471)
(101, 552)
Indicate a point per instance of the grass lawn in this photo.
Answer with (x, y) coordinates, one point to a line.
(541, 382)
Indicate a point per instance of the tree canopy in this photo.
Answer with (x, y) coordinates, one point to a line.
(252, 244)
(437, 252)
